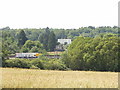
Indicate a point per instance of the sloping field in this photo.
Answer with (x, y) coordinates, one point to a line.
(30, 78)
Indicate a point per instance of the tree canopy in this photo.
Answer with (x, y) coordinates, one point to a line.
(48, 39)
(21, 38)
(32, 46)
(100, 53)
(92, 48)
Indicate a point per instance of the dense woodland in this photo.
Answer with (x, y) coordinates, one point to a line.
(92, 48)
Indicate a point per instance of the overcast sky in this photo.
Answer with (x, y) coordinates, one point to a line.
(58, 13)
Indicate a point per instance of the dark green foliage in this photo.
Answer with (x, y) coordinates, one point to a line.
(8, 46)
(99, 54)
(32, 46)
(36, 63)
(44, 38)
(21, 38)
(54, 64)
(52, 41)
(34, 34)
(24, 63)
(39, 63)
(92, 48)
(19, 63)
(48, 39)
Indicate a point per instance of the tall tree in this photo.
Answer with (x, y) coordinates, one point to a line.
(52, 41)
(8, 46)
(48, 39)
(21, 38)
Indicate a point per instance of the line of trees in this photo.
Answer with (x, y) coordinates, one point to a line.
(13, 43)
(46, 40)
(85, 53)
(90, 31)
(91, 49)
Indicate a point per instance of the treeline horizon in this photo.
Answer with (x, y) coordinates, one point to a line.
(8, 27)
(92, 49)
(90, 31)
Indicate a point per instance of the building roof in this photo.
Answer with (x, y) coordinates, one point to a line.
(63, 41)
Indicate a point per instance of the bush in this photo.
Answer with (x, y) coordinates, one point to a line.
(49, 64)
(20, 63)
(36, 63)
(33, 67)
(54, 64)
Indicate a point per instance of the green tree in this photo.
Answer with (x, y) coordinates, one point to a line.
(8, 46)
(100, 53)
(48, 39)
(21, 38)
(32, 46)
(52, 41)
(44, 38)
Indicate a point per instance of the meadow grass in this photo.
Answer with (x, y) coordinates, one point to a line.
(34, 78)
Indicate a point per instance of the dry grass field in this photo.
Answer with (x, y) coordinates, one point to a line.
(31, 78)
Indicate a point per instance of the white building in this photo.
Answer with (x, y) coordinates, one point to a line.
(64, 41)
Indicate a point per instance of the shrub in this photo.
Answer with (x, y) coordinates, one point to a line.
(34, 67)
(54, 64)
(36, 63)
(20, 63)
(49, 64)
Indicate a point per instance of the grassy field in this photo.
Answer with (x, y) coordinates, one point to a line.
(31, 78)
